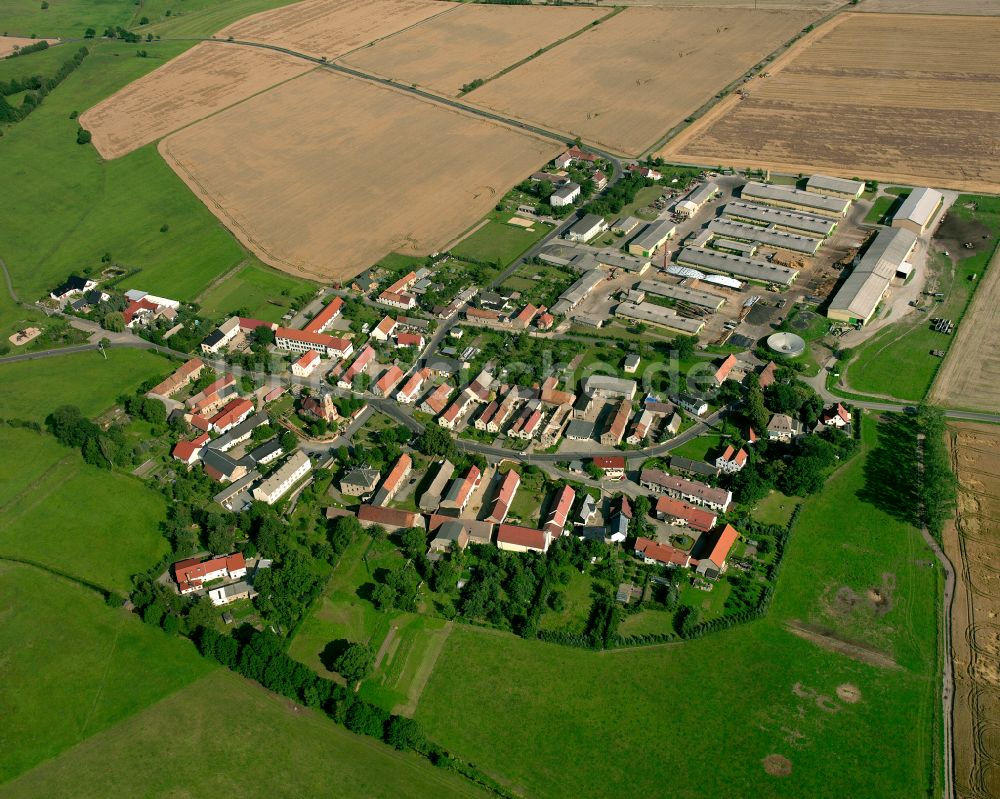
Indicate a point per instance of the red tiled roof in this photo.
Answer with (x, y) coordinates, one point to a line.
(609, 461)
(386, 326)
(560, 511)
(232, 411)
(409, 340)
(545, 320)
(308, 359)
(386, 383)
(185, 449)
(247, 325)
(364, 358)
(190, 573)
(521, 536)
(724, 543)
(438, 398)
(402, 283)
(398, 473)
(723, 371)
(325, 316)
(698, 518)
(199, 422)
(527, 314)
(766, 376)
(179, 378)
(469, 482)
(376, 514)
(505, 495)
(307, 337)
(661, 553)
(481, 313)
(137, 305)
(413, 385)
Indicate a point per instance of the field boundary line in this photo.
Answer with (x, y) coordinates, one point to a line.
(373, 42)
(224, 276)
(551, 46)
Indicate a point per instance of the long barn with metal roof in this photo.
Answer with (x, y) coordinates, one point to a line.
(778, 239)
(794, 221)
(747, 268)
(788, 197)
(859, 296)
(703, 299)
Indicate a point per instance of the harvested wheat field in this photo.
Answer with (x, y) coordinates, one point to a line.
(330, 28)
(8, 44)
(972, 7)
(910, 98)
(326, 174)
(972, 543)
(627, 81)
(970, 374)
(203, 80)
(474, 41)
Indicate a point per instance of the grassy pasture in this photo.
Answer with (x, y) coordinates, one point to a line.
(85, 379)
(499, 241)
(761, 688)
(270, 748)
(266, 294)
(63, 17)
(78, 667)
(72, 208)
(58, 511)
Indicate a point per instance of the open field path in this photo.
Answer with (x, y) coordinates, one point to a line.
(220, 279)
(8, 281)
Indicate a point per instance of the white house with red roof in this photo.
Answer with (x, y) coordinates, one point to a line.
(410, 340)
(231, 415)
(837, 416)
(453, 413)
(189, 452)
(731, 460)
(714, 563)
(559, 514)
(437, 400)
(321, 322)
(505, 496)
(613, 466)
(652, 552)
(408, 394)
(292, 340)
(306, 364)
(192, 574)
(387, 382)
(361, 363)
(383, 330)
(513, 538)
(725, 369)
(461, 491)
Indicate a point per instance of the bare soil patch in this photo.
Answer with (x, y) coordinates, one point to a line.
(970, 374)
(849, 693)
(330, 28)
(207, 78)
(326, 174)
(855, 99)
(974, 547)
(8, 44)
(852, 649)
(473, 42)
(777, 765)
(627, 81)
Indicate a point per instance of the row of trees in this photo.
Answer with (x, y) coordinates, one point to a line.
(36, 88)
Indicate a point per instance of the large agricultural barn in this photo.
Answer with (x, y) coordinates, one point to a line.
(918, 210)
(859, 296)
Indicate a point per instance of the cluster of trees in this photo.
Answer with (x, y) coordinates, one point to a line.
(618, 196)
(118, 32)
(938, 487)
(471, 85)
(36, 88)
(31, 48)
(102, 448)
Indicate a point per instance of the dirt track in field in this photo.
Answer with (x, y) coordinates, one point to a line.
(475, 41)
(970, 374)
(972, 542)
(912, 98)
(326, 174)
(625, 82)
(332, 28)
(207, 78)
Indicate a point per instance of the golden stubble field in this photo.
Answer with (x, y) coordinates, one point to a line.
(325, 174)
(971, 7)
(972, 542)
(627, 81)
(913, 98)
(330, 28)
(970, 374)
(474, 41)
(207, 78)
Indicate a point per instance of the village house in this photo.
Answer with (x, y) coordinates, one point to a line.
(783, 427)
(461, 492)
(384, 330)
(513, 538)
(652, 552)
(476, 532)
(72, 287)
(435, 402)
(222, 595)
(430, 500)
(587, 511)
(410, 340)
(359, 482)
(454, 412)
(450, 536)
(613, 466)
(731, 460)
(725, 369)
(673, 510)
(394, 480)
(192, 574)
(306, 364)
(690, 466)
(360, 365)
(183, 376)
(291, 340)
(558, 517)
(283, 478)
(632, 361)
(714, 563)
(388, 381)
(190, 451)
(837, 416)
(615, 430)
(408, 394)
(231, 415)
(321, 322)
(392, 519)
(642, 428)
(504, 497)
(717, 499)
(221, 337)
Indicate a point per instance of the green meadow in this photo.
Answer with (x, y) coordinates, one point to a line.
(227, 736)
(719, 715)
(57, 511)
(262, 292)
(72, 667)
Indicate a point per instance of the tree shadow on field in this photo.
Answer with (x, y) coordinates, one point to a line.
(332, 651)
(891, 475)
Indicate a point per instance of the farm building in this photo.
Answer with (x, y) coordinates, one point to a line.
(701, 298)
(274, 487)
(586, 228)
(625, 225)
(747, 268)
(747, 249)
(787, 197)
(793, 221)
(835, 187)
(607, 387)
(696, 200)
(859, 295)
(918, 211)
(651, 238)
(619, 260)
(658, 315)
(776, 239)
(576, 293)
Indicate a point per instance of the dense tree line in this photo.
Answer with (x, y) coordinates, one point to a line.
(617, 196)
(36, 87)
(938, 487)
(31, 48)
